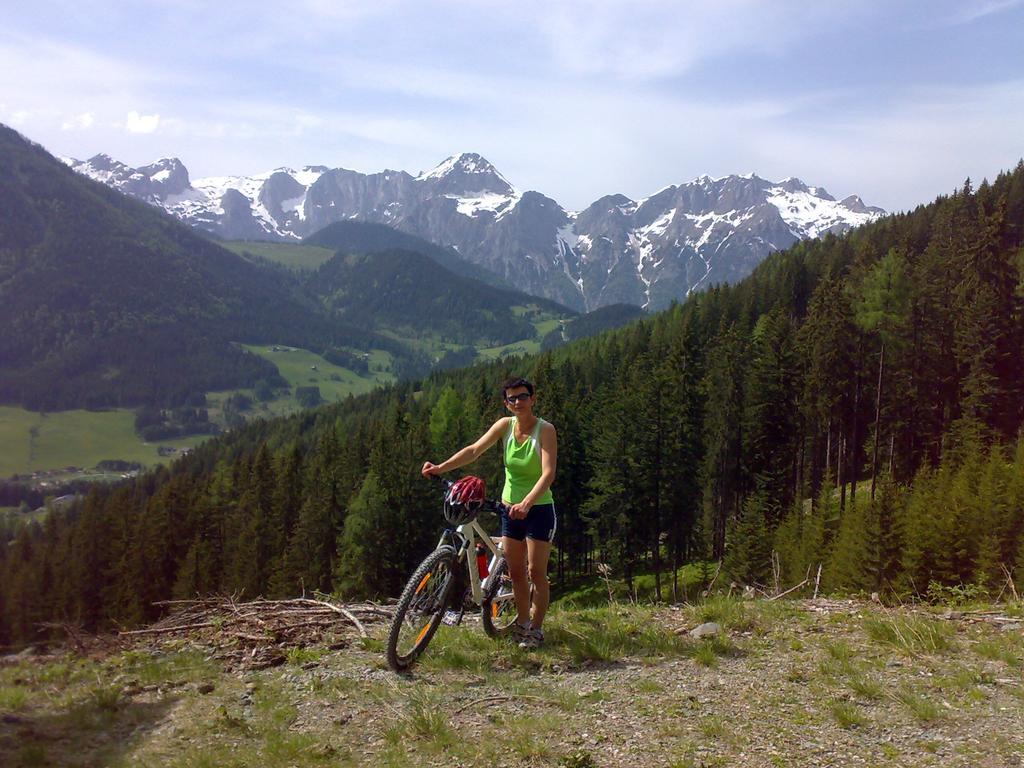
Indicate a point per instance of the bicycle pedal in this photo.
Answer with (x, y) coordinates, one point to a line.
(452, 618)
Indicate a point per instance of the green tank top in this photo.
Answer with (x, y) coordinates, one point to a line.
(522, 466)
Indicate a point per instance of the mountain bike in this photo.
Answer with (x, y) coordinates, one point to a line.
(446, 583)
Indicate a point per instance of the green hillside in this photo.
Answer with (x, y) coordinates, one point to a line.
(293, 255)
(591, 324)
(412, 295)
(106, 301)
(366, 237)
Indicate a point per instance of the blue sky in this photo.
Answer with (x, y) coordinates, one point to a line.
(895, 101)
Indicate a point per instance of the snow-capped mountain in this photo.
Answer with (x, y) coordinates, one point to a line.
(646, 252)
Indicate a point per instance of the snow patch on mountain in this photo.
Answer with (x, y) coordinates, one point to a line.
(489, 202)
(810, 215)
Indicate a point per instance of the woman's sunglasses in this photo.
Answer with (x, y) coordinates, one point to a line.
(513, 399)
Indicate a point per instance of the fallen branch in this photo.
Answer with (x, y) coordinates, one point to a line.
(165, 630)
(714, 578)
(498, 697)
(1009, 582)
(257, 633)
(791, 589)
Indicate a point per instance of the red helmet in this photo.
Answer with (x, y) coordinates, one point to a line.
(463, 500)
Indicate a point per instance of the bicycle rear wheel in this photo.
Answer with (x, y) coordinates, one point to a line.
(421, 607)
(498, 607)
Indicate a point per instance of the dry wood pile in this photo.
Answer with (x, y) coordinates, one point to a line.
(258, 633)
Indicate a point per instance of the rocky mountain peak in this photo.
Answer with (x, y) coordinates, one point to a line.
(103, 161)
(467, 173)
(855, 204)
(793, 184)
(168, 175)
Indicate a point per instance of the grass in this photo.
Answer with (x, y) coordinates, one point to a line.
(847, 715)
(294, 255)
(13, 698)
(705, 655)
(299, 656)
(611, 632)
(1007, 649)
(149, 668)
(427, 719)
(573, 637)
(714, 727)
(335, 383)
(524, 347)
(865, 687)
(742, 616)
(910, 634)
(840, 651)
(923, 709)
(31, 756)
(594, 591)
(34, 441)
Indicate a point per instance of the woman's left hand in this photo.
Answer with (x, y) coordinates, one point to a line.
(519, 511)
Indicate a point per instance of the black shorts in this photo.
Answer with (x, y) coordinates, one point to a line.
(540, 524)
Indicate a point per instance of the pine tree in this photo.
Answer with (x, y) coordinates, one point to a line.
(363, 546)
(609, 508)
(846, 569)
(987, 331)
(883, 304)
(825, 343)
(769, 428)
(682, 368)
(308, 562)
(749, 550)
(723, 440)
(447, 424)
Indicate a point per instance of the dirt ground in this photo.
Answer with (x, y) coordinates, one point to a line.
(809, 683)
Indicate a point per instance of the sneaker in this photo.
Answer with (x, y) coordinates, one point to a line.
(452, 617)
(533, 638)
(518, 631)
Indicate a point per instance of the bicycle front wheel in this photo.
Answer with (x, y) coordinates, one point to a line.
(421, 608)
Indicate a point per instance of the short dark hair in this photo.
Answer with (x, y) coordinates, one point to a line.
(515, 383)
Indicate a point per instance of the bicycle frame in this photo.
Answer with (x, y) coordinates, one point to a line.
(466, 536)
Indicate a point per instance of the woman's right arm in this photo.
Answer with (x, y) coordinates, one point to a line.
(470, 453)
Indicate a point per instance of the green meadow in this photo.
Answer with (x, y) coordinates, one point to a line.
(32, 442)
(42, 441)
(302, 368)
(291, 255)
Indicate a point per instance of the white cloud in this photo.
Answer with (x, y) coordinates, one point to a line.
(920, 147)
(972, 11)
(661, 38)
(137, 123)
(78, 122)
(19, 117)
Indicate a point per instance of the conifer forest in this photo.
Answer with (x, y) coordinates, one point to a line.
(855, 406)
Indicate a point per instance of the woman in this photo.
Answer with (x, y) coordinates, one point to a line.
(531, 452)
